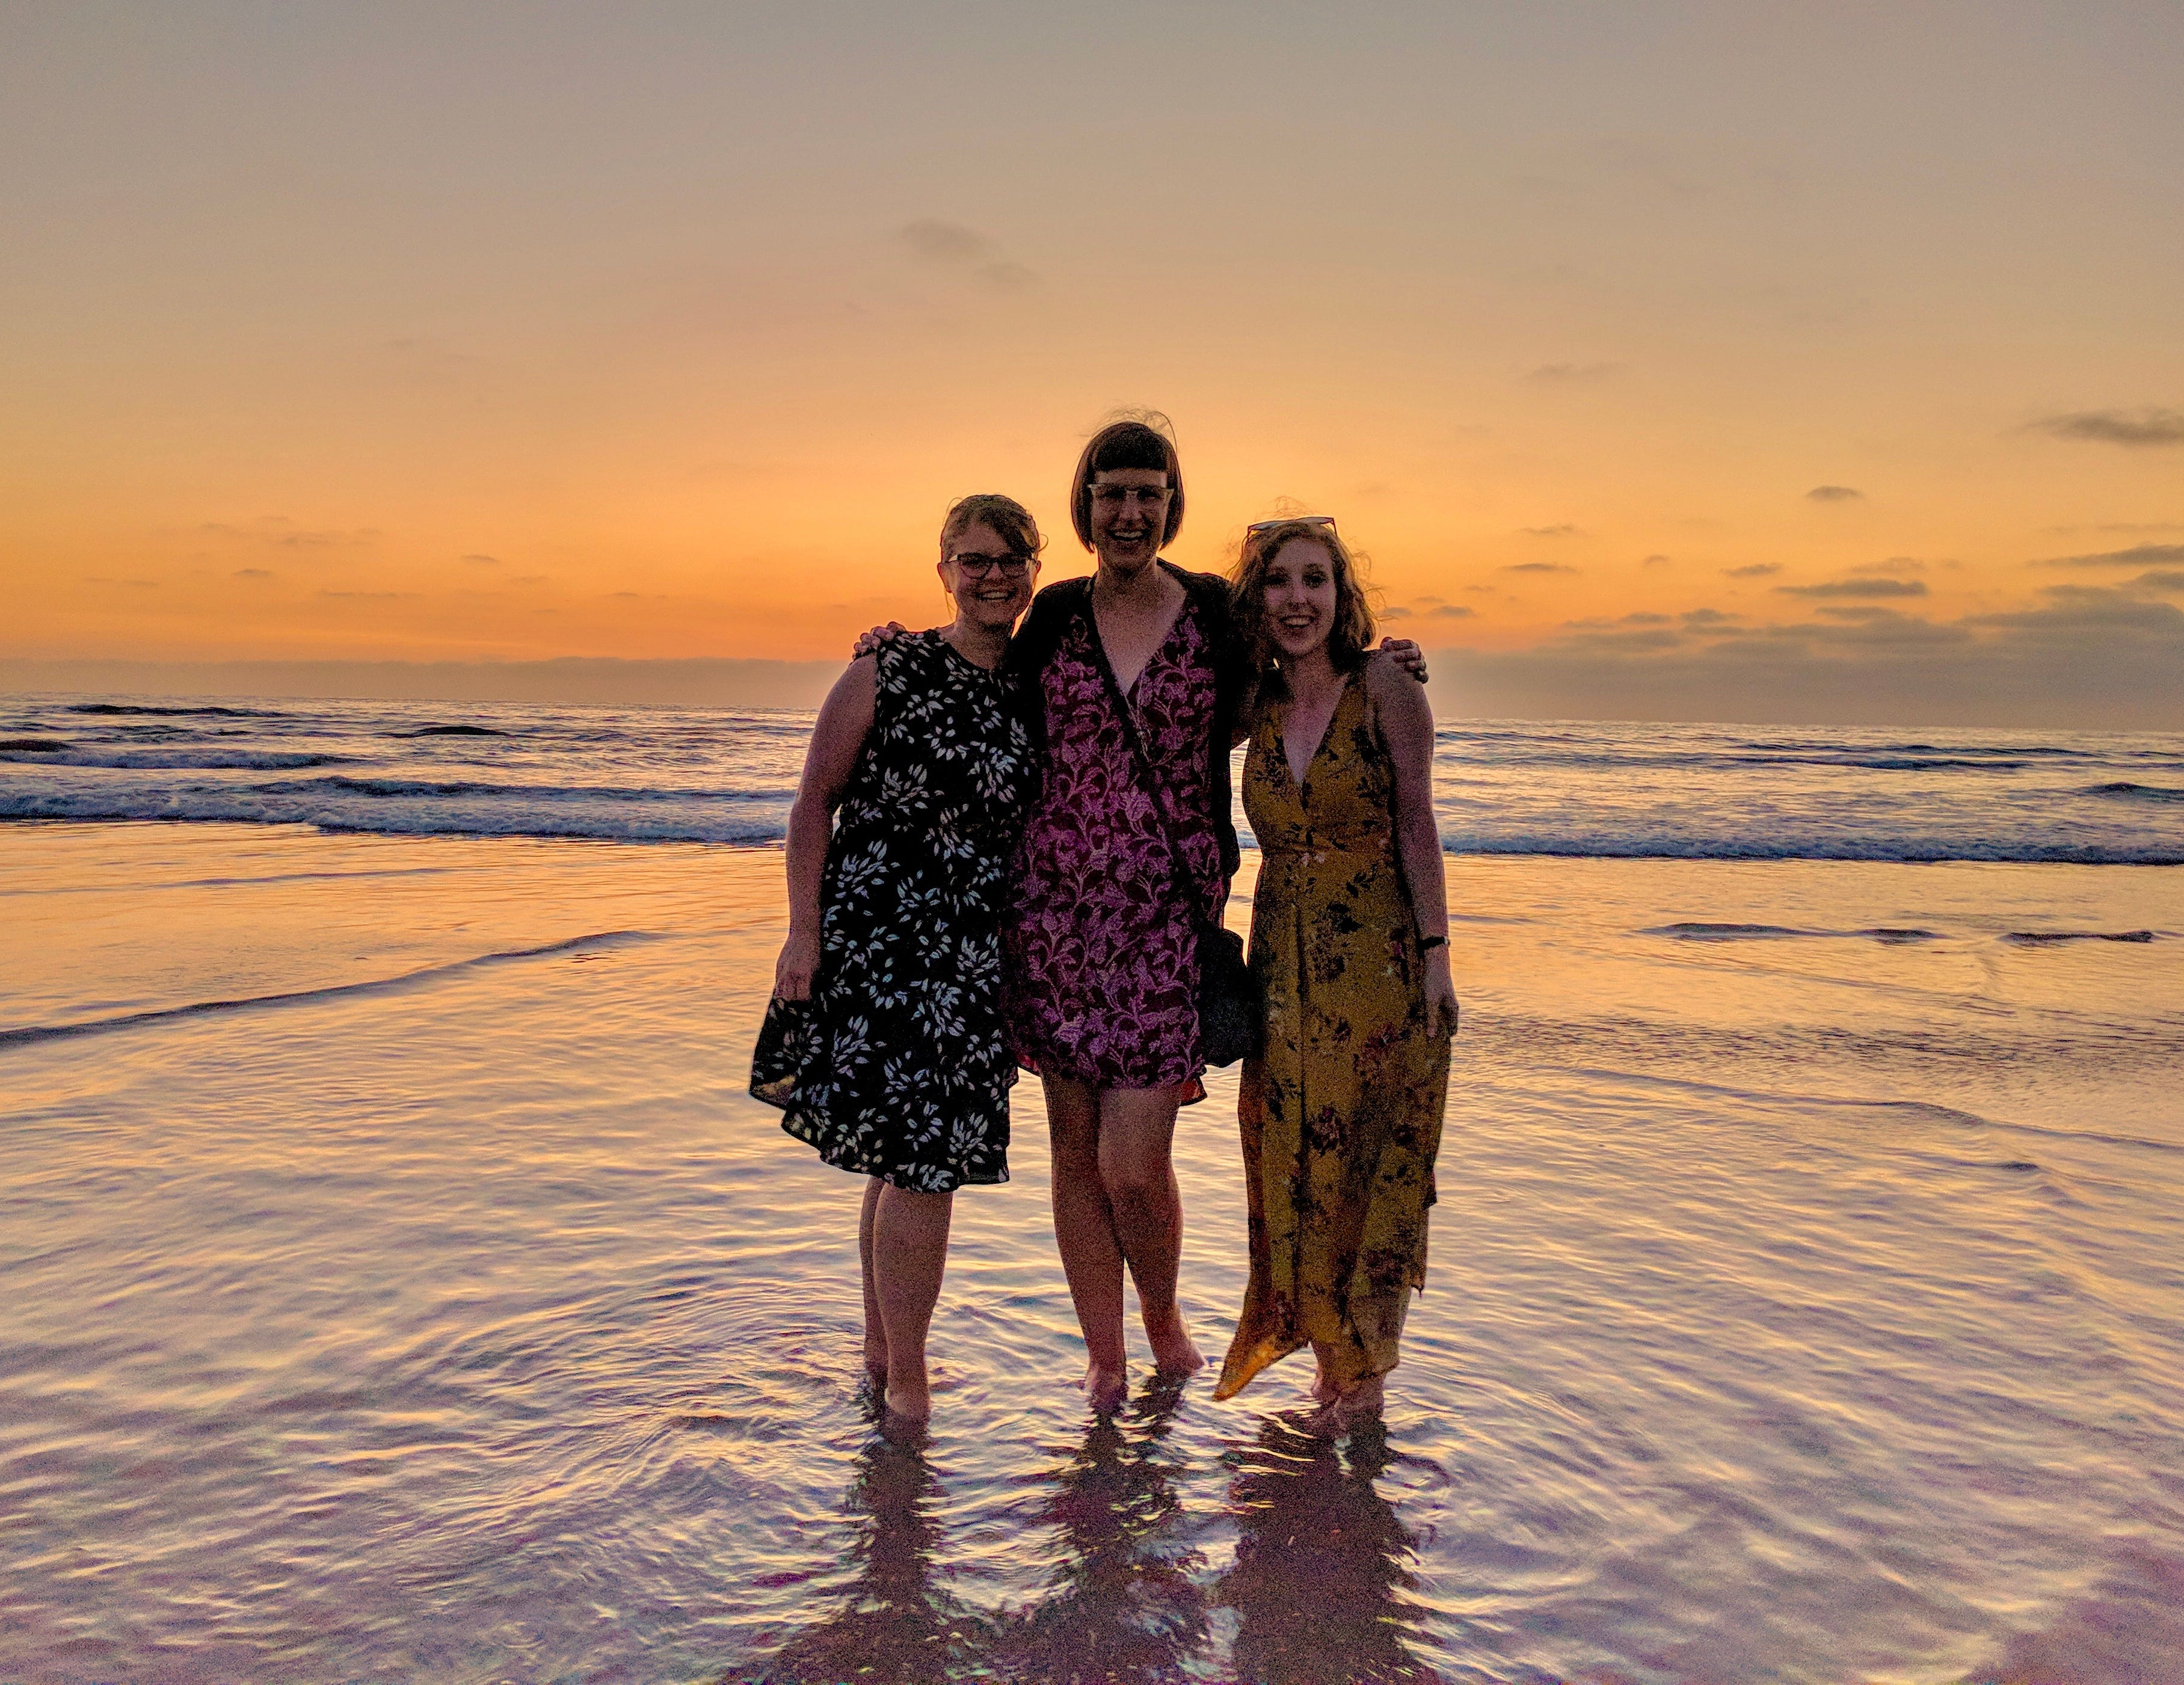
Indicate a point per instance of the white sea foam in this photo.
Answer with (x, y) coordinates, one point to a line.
(1605, 790)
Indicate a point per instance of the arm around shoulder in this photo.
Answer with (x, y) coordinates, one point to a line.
(1400, 707)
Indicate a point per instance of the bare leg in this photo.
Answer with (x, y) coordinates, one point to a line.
(1084, 1235)
(910, 1253)
(1323, 1387)
(1137, 1128)
(876, 1345)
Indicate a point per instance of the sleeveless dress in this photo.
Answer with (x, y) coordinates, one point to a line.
(1341, 1115)
(897, 1066)
(1102, 950)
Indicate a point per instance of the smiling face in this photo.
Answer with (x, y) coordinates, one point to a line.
(975, 570)
(1300, 598)
(1129, 516)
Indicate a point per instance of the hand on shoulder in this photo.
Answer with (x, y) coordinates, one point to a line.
(1405, 654)
(1396, 678)
(870, 643)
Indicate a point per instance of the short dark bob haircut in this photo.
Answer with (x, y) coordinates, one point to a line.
(1137, 439)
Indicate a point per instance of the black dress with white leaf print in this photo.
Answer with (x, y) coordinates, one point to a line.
(897, 1066)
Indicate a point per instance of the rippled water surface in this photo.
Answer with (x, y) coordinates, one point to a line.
(396, 1284)
(1601, 789)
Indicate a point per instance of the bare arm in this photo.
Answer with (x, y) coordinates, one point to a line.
(845, 719)
(1405, 723)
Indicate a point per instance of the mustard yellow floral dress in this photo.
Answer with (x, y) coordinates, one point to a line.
(1341, 1115)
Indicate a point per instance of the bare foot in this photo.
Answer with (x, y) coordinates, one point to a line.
(909, 1400)
(1324, 1389)
(1347, 1412)
(1360, 1404)
(1174, 1356)
(1106, 1388)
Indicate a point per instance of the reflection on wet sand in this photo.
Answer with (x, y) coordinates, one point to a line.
(1322, 1563)
(1125, 1603)
(893, 1622)
(1319, 1591)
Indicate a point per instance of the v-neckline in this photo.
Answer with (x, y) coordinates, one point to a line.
(1326, 734)
(1129, 692)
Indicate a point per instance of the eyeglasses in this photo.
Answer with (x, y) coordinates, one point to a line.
(1011, 566)
(1326, 520)
(1121, 497)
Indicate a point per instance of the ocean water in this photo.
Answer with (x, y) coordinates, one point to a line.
(397, 1283)
(1693, 792)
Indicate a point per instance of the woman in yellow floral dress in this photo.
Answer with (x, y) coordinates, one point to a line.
(1341, 1114)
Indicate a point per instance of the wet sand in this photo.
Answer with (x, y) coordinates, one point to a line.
(398, 1283)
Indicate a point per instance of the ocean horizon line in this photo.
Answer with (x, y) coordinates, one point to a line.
(1514, 687)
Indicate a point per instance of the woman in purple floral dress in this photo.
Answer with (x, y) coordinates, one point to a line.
(1136, 675)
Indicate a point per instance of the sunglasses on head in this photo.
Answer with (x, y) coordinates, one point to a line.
(1326, 520)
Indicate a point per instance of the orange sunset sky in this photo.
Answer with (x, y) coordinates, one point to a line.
(1733, 361)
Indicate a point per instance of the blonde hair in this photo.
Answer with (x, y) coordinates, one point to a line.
(1009, 519)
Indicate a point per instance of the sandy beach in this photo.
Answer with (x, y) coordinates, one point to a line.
(399, 1284)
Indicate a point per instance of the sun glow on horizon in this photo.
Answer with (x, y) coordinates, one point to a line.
(670, 335)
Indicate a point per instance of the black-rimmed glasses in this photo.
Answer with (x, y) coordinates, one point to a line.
(1014, 565)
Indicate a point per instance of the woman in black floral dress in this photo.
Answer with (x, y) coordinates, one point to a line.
(883, 1045)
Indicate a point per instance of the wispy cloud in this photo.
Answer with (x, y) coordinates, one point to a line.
(1757, 570)
(2167, 581)
(1642, 618)
(950, 245)
(2150, 426)
(253, 573)
(1835, 494)
(1657, 560)
(2138, 555)
(280, 530)
(1453, 611)
(1565, 529)
(1894, 564)
(1857, 588)
(482, 561)
(1537, 567)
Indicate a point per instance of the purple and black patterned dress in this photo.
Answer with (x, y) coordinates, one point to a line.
(1101, 982)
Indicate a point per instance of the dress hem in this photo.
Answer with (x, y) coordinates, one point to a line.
(851, 1165)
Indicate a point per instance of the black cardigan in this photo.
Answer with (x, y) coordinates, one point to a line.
(1061, 605)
